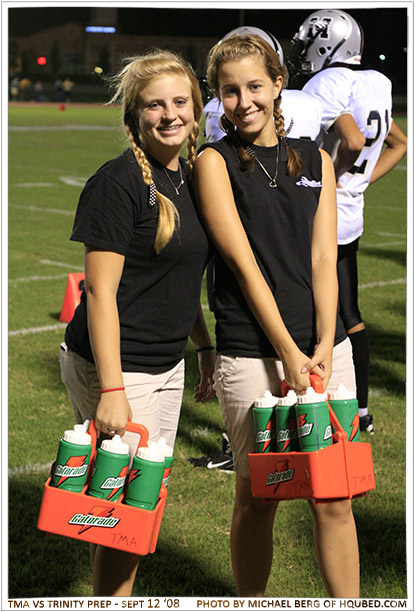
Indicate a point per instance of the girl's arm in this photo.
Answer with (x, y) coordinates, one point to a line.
(206, 358)
(324, 269)
(103, 271)
(219, 211)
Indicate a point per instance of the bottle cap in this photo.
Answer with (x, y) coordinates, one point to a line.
(164, 447)
(289, 400)
(266, 401)
(341, 393)
(77, 435)
(311, 397)
(115, 445)
(150, 453)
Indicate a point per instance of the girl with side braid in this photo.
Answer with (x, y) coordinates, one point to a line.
(271, 212)
(145, 254)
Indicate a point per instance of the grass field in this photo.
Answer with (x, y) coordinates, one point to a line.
(51, 154)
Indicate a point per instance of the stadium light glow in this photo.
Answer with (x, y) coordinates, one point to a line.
(100, 29)
(382, 57)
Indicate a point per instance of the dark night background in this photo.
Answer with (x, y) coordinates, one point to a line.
(385, 29)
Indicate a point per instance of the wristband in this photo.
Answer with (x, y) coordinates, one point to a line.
(205, 348)
(115, 389)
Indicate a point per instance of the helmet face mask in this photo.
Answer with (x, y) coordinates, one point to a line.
(325, 37)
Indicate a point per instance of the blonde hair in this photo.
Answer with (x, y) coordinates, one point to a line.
(129, 82)
(235, 48)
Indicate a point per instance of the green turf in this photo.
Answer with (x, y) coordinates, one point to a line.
(47, 169)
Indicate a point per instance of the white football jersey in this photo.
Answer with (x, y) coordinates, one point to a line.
(300, 110)
(367, 96)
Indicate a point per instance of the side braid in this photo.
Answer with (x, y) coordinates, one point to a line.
(168, 213)
(192, 147)
(294, 163)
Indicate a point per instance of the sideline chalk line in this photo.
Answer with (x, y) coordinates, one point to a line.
(37, 330)
(29, 468)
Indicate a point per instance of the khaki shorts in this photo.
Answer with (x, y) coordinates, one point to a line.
(239, 381)
(155, 399)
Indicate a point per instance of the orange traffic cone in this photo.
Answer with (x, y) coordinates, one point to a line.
(72, 297)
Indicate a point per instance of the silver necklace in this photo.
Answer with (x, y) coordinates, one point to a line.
(171, 182)
(272, 180)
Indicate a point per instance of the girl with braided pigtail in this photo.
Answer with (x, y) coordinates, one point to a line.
(145, 255)
(168, 215)
(271, 212)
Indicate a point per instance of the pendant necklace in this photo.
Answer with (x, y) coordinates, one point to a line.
(176, 189)
(272, 180)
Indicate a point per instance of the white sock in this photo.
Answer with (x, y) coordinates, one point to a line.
(363, 412)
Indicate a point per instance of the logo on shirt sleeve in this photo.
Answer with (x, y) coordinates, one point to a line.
(305, 182)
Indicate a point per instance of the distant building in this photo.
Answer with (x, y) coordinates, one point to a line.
(70, 50)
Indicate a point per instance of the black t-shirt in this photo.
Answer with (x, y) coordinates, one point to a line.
(278, 222)
(158, 295)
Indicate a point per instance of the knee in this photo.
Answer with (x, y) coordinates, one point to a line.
(250, 508)
(338, 512)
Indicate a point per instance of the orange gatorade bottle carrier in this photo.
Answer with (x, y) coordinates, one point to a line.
(101, 521)
(341, 470)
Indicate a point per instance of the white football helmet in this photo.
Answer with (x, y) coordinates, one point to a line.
(326, 37)
(267, 36)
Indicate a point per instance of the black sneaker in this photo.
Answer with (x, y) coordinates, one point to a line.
(226, 445)
(222, 461)
(366, 424)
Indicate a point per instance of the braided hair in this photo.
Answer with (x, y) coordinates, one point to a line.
(138, 72)
(235, 48)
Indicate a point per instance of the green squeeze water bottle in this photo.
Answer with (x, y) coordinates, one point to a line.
(72, 462)
(168, 458)
(146, 476)
(313, 421)
(264, 422)
(345, 407)
(286, 424)
(109, 473)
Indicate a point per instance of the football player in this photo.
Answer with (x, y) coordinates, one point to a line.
(357, 123)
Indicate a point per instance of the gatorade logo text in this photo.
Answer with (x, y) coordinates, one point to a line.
(279, 477)
(74, 467)
(281, 474)
(327, 433)
(115, 483)
(98, 516)
(286, 435)
(265, 436)
(112, 483)
(304, 429)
